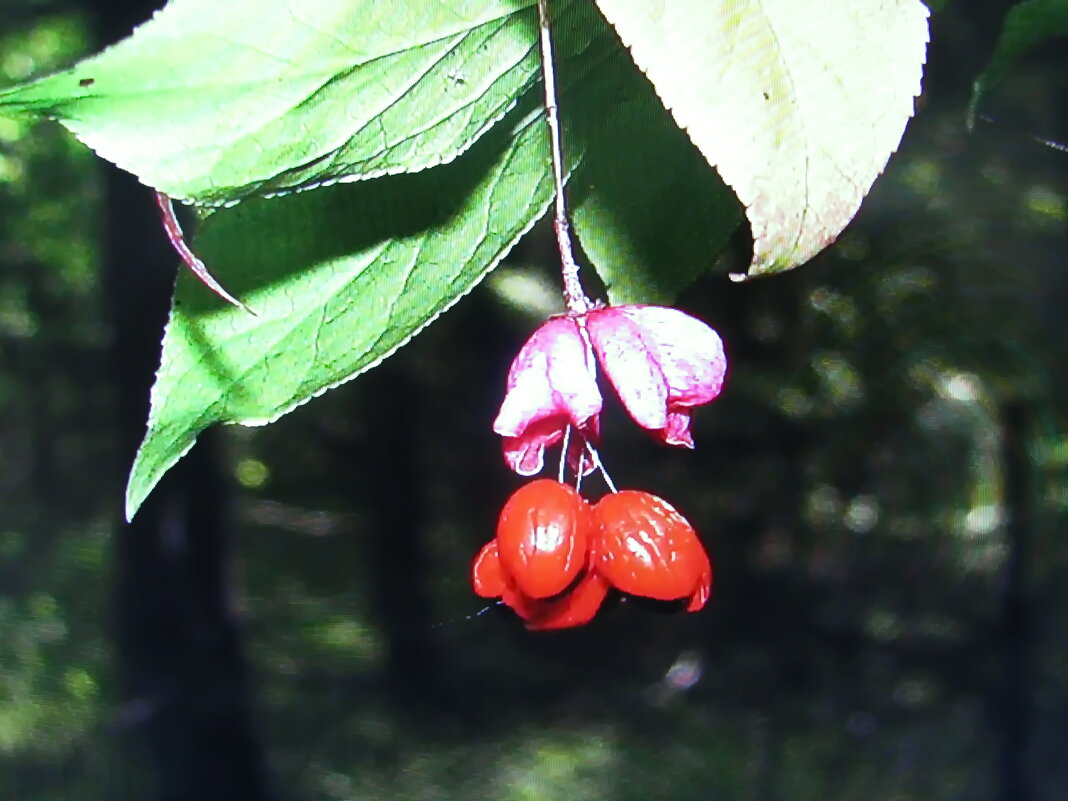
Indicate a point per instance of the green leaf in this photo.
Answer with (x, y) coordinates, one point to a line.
(212, 102)
(1027, 26)
(649, 211)
(342, 276)
(797, 105)
(339, 279)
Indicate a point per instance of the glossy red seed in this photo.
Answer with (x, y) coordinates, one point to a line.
(645, 547)
(575, 607)
(486, 575)
(704, 588)
(542, 537)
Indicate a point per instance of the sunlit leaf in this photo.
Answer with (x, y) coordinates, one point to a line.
(212, 101)
(343, 277)
(797, 105)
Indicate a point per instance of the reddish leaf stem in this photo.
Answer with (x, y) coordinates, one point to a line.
(192, 261)
(574, 296)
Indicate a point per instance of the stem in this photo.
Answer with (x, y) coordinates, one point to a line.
(574, 297)
(192, 261)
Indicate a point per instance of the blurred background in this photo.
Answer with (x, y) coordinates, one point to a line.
(881, 487)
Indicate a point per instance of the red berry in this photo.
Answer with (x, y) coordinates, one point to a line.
(704, 589)
(644, 547)
(576, 607)
(542, 537)
(486, 575)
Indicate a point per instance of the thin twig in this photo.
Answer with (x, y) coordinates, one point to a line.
(574, 297)
(192, 261)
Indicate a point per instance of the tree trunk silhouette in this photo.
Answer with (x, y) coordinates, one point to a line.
(1013, 707)
(184, 678)
(394, 499)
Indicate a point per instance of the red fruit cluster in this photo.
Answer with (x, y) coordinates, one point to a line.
(556, 556)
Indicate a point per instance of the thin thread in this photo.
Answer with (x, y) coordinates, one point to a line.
(581, 470)
(1042, 141)
(595, 457)
(479, 613)
(563, 455)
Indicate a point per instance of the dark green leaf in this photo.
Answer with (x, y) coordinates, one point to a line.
(649, 211)
(1027, 26)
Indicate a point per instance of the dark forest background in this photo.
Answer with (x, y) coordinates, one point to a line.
(882, 488)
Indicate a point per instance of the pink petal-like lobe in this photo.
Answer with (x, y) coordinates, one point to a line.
(662, 363)
(677, 430)
(630, 365)
(551, 384)
(689, 352)
(526, 454)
